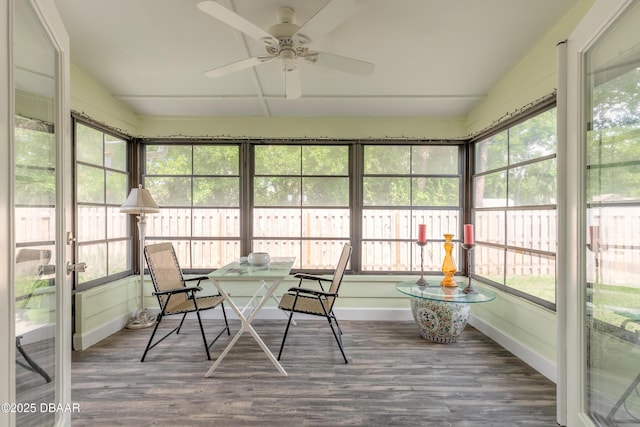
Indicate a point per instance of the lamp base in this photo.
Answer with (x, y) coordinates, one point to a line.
(142, 319)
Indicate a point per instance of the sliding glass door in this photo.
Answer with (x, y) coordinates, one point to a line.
(612, 223)
(41, 204)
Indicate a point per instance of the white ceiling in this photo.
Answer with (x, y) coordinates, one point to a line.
(432, 57)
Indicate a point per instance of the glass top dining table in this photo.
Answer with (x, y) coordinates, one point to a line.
(269, 276)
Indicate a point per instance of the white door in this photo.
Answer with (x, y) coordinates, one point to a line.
(602, 272)
(40, 180)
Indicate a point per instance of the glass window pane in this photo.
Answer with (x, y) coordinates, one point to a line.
(119, 259)
(434, 160)
(89, 145)
(614, 184)
(91, 223)
(216, 223)
(273, 191)
(533, 138)
(491, 153)
(170, 191)
(489, 263)
(436, 191)
(386, 191)
(210, 254)
(532, 229)
(321, 254)
(216, 191)
(117, 223)
(386, 224)
(532, 274)
(168, 160)
(325, 191)
(326, 223)
(277, 159)
(89, 184)
(35, 224)
(34, 186)
(117, 187)
(115, 153)
(95, 255)
(281, 248)
(325, 160)
(490, 190)
(216, 159)
(277, 222)
(34, 143)
(387, 160)
(386, 256)
(174, 222)
(490, 227)
(533, 184)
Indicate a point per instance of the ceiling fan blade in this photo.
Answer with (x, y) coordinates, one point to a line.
(341, 63)
(328, 18)
(233, 20)
(293, 86)
(237, 66)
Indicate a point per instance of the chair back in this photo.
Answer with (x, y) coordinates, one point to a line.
(339, 272)
(165, 272)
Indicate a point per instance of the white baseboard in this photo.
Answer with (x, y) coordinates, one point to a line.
(84, 341)
(541, 364)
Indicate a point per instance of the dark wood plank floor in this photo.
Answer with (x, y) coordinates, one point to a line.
(394, 378)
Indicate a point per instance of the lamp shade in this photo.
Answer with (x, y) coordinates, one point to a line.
(139, 202)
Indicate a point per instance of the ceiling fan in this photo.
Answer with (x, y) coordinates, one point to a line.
(290, 42)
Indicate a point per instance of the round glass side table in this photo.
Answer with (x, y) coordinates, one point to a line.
(441, 312)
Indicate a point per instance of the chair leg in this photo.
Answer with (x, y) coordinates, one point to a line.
(181, 322)
(337, 337)
(285, 334)
(224, 313)
(204, 338)
(155, 328)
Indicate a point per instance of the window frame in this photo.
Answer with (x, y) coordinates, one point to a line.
(543, 106)
(130, 162)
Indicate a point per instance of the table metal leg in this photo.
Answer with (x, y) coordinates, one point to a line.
(273, 297)
(246, 326)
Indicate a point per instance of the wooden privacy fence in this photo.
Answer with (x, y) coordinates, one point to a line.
(388, 236)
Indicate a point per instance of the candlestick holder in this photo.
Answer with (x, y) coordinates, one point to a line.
(421, 281)
(469, 289)
(448, 267)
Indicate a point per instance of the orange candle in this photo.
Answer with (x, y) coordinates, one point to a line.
(422, 233)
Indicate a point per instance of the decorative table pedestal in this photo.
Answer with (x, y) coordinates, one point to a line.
(441, 312)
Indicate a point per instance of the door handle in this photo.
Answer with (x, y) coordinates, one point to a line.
(79, 267)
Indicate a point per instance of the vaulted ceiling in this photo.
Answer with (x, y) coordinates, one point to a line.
(434, 58)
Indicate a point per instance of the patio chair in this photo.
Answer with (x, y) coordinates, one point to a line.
(174, 296)
(317, 302)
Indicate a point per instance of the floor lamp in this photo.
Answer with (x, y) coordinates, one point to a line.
(140, 203)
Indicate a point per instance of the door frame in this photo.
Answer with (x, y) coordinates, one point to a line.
(571, 312)
(53, 26)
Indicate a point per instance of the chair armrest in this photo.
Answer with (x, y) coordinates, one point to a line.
(178, 290)
(305, 276)
(313, 292)
(191, 279)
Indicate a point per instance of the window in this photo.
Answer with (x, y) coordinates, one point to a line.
(514, 207)
(403, 186)
(219, 201)
(102, 184)
(197, 187)
(301, 202)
